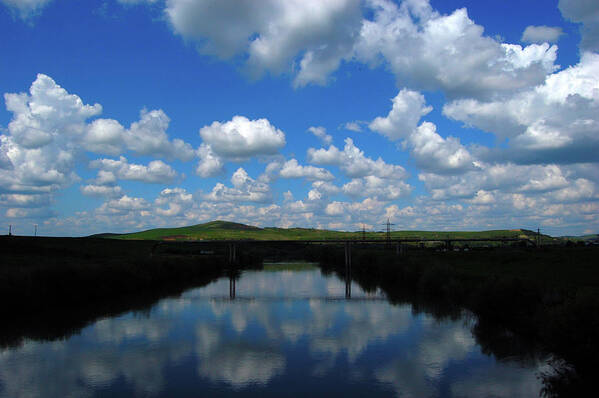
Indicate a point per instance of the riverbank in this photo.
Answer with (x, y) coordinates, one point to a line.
(52, 287)
(548, 297)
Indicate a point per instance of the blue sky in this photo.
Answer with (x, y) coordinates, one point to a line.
(451, 115)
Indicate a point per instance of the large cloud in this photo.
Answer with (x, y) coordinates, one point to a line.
(556, 121)
(273, 34)
(449, 52)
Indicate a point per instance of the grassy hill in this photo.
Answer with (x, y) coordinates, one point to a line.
(223, 230)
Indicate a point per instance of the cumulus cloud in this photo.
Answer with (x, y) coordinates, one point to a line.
(245, 189)
(272, 35)
(541, 34)
(321, 134)
(408, 107)
(210, 164)
(49, 130)
(585, 12)
(145, 137)
(49, 113)
(126, 203)
(556, 121)
(241, 138)
(26, 8)
(354, 163)
(292, 169)
(545, 180)
(238, 140)
(435, 153)
(430, 51)
(380, 188)
(155, 172)
(177, 200)
(106, 191)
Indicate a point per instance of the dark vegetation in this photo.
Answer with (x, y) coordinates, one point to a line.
(525, 300)
(52, 287)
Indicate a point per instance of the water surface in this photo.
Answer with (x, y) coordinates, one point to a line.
(283, 331)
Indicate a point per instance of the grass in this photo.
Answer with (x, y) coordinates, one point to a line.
(291, 266)
(223, 230)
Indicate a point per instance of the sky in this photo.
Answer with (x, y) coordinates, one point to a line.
(125, 115)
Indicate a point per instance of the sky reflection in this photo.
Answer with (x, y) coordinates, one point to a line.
(284, 328)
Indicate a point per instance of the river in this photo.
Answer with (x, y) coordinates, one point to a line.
(287, 330)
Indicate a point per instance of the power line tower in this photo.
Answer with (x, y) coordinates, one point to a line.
(363, 231)
(388, 224)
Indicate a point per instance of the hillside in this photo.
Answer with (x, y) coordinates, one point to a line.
(224, 230)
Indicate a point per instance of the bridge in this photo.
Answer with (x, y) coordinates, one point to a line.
(233, 247)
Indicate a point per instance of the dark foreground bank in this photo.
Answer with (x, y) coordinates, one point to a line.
(524, 299)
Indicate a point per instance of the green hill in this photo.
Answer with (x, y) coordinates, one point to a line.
(224, 230)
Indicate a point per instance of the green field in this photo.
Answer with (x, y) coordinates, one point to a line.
(223, 230)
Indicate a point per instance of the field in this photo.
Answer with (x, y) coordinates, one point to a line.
(223, 230)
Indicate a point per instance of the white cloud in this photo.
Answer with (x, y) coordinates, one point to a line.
(551, 182)
(241, 138)
(435, 153)
(380, 188)
(155, 172)
(292, 169)
(126, 203)
(177, 199)
(353, 162)
(273, 34)
(210, 164)
(21, 200)
(321, 134)
(148, 137)
(106, 191)
(429, 51)
(144, 137)
(408, 107)
(245, 189)
(49, 113)
(585, 12)
(353, 126)
(541, 34)
(26, 8)
(557, 120)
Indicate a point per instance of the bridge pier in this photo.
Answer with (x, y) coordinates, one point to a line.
(347, 254)
(232, 287)
(232, 252)
(347, 269)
